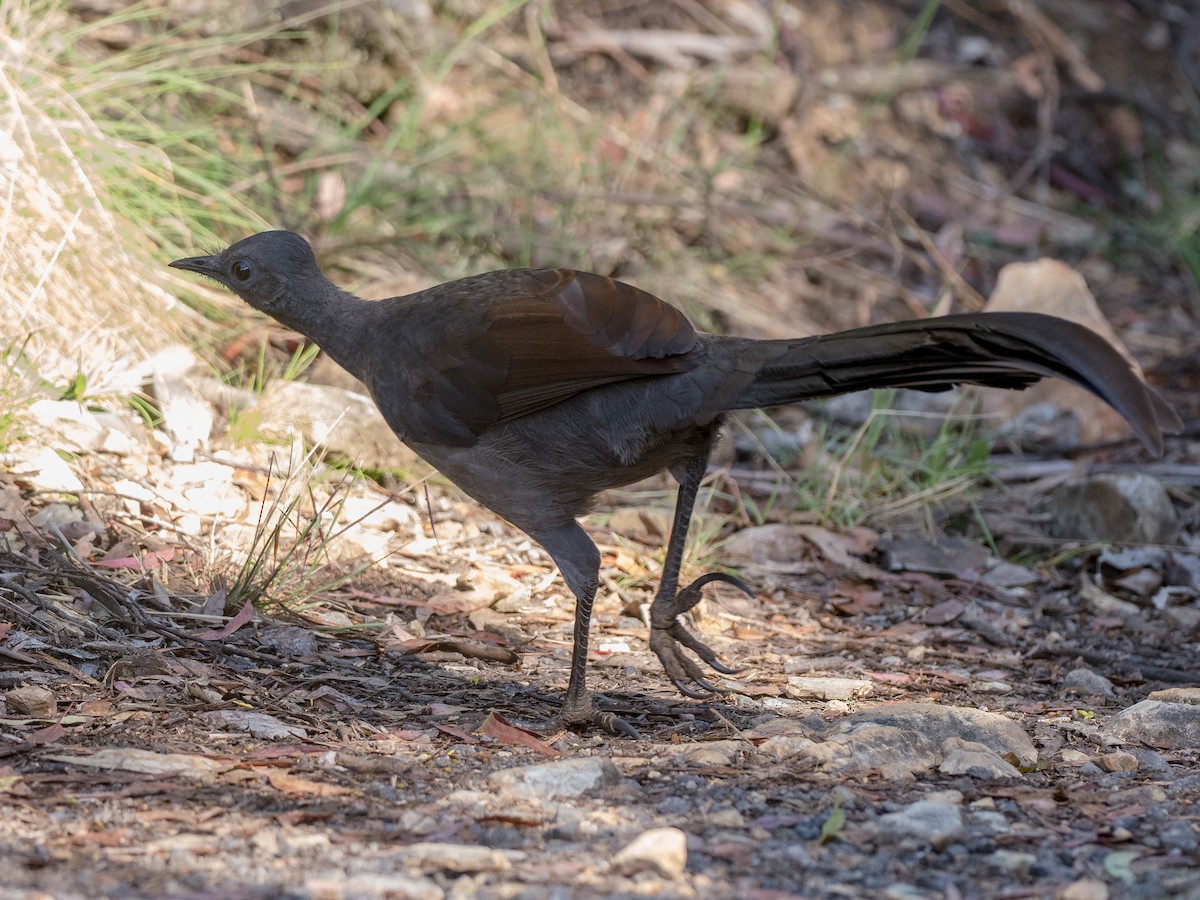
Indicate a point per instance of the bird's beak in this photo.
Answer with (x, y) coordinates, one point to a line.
(205, 265)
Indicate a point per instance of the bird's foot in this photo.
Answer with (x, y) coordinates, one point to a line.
(579, 712)
(668, 637)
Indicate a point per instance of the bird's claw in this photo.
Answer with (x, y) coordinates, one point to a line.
(668, 636)
(580, 712)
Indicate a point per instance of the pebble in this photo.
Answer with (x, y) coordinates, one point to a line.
(977, 760)
(561, 778)
(1179, 835)
(1152, 762)
(809, 687)
(1013, 862)
(662, 851)
(436, 856)
(31, 700)
(1088, 683)
(1118, 761)
(725, 818)
(930, 821)
(339, 885)
(1084, 889)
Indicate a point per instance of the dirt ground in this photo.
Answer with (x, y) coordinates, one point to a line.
(916, 717)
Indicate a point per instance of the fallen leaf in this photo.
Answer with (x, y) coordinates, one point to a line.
(831, 828)
(455, 731)
(291, 784)
(244, 615)
(48, 735)
(890, 677)
(1119, 864)
(138, 563)
(496, 727)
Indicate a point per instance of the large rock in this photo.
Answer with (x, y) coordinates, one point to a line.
(1129, 507)
(1169, 720)
(904, 738)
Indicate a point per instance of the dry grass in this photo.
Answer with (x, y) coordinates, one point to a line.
(79, 281)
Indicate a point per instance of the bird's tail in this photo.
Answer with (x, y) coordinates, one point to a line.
(1003, 349)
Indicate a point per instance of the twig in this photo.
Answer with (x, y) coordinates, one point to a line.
(678, 49)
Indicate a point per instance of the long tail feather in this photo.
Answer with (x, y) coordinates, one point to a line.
(1008, 350)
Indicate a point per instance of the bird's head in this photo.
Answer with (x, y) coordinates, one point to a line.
(264, 269)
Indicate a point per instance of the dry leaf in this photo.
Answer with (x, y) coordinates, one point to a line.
(496, 727)
(291, 784)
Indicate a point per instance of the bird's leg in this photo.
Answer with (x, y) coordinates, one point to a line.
(579, 561)
(667, 633)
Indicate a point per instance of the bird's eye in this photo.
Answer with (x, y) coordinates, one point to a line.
(242, 270)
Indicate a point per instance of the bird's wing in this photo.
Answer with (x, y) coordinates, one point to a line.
(541, 337)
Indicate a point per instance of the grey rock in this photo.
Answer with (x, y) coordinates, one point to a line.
(1185, 619)
(815, 687)
(1168, 726)
(903, 738)
(1183, 569)
(712, 753)
(1151, 762)
(1088, 683)
(562, 778)
(1179, 835)
(1044, 425)
(290, 640)
(951, 556)
(1012, 862)
(977, 760)
(932, 821)
(989, 820)
(1117, 508)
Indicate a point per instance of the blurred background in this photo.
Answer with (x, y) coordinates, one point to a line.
(773, 167)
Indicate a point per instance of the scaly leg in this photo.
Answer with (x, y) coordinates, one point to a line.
(579, 561)
(667, 633)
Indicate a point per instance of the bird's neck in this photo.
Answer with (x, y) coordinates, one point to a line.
(340, 323)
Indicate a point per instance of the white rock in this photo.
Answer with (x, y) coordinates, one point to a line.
(47, 471)
(662, 851)
(188, 418)
(562, 778)
(459, 857)
(811, 687)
